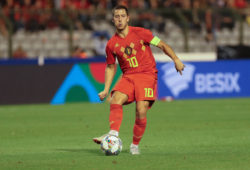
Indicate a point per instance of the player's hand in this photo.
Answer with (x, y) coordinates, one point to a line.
(102, 95)
(179, 66)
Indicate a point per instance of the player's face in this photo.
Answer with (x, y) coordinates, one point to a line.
(120, 19)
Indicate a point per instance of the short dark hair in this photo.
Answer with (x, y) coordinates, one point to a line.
(120, 7)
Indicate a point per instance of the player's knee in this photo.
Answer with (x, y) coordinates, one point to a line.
(118, 98)
(141, 110)
(141, 113)
(115, 100)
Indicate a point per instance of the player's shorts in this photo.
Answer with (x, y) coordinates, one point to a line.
(138, 87)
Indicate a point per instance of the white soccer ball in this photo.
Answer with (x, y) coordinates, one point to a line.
(111, 145)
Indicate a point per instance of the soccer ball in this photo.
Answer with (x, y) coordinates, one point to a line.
(111, 145)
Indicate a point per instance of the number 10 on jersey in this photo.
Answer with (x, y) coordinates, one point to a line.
(149, 92)
(132, 62)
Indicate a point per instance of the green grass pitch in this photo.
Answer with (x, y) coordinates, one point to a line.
(185, 134)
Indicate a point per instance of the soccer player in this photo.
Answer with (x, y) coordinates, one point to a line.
(131, 46)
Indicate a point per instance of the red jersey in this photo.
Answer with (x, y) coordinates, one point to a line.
(133, 52)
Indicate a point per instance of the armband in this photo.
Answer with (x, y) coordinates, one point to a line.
(155, 41)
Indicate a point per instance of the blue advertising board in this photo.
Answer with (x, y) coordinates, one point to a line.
(219, 79)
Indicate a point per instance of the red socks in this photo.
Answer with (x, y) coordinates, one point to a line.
(115, 120)
(139, 128)
(115, 117)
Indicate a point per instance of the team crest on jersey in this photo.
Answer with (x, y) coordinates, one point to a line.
(128, 50)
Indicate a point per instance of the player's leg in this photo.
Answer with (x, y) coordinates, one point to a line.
(115, 116)
(116, 112)
(121, 94)
(145, 95)
(139, 126)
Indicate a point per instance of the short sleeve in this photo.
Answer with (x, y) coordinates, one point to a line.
(110, 55)
(146, 35)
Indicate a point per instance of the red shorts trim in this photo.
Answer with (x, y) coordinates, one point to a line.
(138, 87)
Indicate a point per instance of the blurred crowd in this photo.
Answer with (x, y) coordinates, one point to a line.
(35, 15)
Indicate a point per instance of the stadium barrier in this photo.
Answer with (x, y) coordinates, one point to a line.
(219, 79)
(233, 52)
(76, 80)
(56, 82)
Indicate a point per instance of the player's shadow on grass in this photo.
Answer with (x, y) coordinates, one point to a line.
(96, 152)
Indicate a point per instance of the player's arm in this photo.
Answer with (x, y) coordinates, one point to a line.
(170, 52)
(109, 76)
